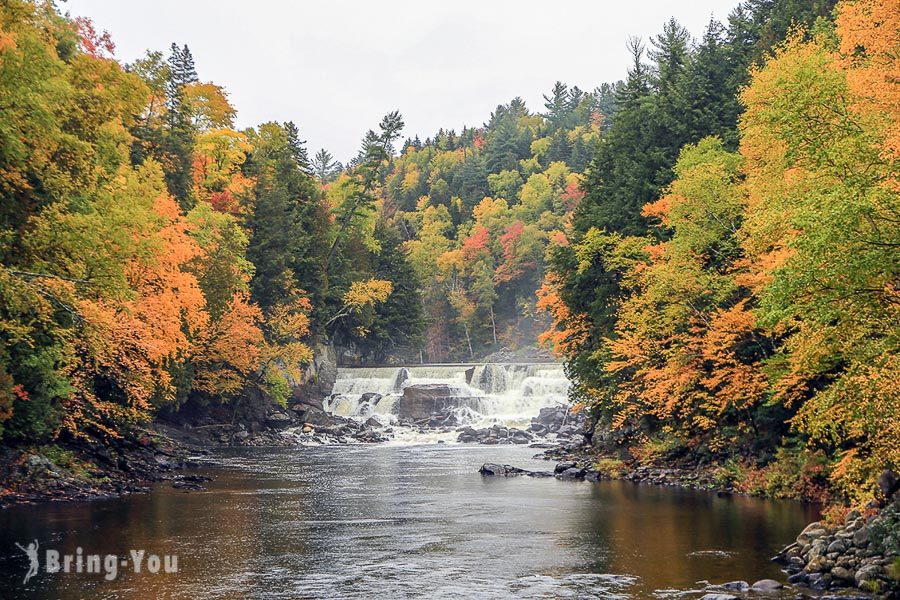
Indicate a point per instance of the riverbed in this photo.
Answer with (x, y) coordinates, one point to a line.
(402, 521)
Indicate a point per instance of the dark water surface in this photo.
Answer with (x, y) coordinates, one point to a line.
(402, 522)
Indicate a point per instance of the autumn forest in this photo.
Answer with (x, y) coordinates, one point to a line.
(710, 244)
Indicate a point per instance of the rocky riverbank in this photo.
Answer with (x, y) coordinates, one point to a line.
(863, 552)
(88, 471)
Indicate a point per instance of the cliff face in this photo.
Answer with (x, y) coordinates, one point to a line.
(319, 375)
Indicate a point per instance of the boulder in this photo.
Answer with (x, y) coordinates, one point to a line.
(370, 397)
(494, 469)
(766, 585)
(738, 586)
(278, 419)
(399, 379)
(563, 466)
(423, 401)
(491, 378)
(315, 416)
(571, 474)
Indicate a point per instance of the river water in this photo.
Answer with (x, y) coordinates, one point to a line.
(401, 520)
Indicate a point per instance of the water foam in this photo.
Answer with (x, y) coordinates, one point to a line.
(510, 394)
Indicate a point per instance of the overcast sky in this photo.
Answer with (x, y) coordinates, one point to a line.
(335, 67)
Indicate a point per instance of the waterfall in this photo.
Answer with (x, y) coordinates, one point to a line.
(478, 394)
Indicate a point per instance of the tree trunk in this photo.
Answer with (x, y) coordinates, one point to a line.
(493, 326)
(469, 342)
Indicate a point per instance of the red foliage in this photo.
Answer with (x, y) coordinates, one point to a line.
(476, 243)
(572, 195)
(94, 43)
(224, 202)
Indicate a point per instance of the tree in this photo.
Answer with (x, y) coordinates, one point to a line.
(376, 150)
(325, 167)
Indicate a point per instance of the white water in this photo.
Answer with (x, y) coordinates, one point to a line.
(509, 394)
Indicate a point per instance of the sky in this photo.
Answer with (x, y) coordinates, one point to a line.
(336, 67)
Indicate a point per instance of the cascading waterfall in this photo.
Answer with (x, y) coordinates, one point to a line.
(481, 394)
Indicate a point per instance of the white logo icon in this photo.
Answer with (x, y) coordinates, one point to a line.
(32, 552)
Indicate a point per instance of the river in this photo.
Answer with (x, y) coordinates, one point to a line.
(403, 519)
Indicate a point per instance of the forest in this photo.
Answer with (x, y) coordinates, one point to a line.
(710, 243)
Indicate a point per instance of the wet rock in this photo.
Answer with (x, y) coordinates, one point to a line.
(571, 474)
(424, 401)
(371, 397)
(498, 470)
(563, 466)
(766, 585)
(738, 586)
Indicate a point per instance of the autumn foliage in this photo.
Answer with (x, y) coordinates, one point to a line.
(763, 309)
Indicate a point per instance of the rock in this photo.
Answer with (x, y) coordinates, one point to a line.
(867, 574)
(491, 378)
(842, 574)
(817, 581)
(316, 417)
(839, 545)
(563, 466)
(861, 537)
(888, 483)
(372, 422)
(739, 586)
(371, 397)
(766, 585)
(500, 470)
(399, 379)
(423, 401)
(571, 474)
(812, 532)
(278, 419)
(718, 597)
(497, 470)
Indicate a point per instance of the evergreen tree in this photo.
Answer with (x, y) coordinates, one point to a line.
(178, 141)
(287, 222)
(558, 105)
(324, 166)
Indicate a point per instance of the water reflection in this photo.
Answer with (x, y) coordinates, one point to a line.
(373, 521)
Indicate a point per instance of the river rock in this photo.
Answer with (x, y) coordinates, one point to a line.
(371, 397)
(498, 470)
(491, 378)
(426, 400)
(571, 474)
(766, 585)
(719, 597)
(738, 586)
(401, 377)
